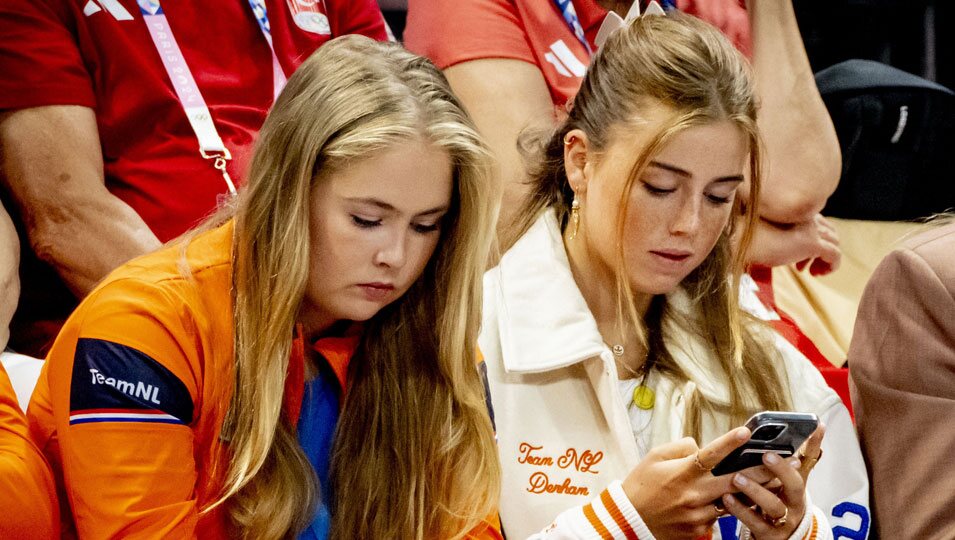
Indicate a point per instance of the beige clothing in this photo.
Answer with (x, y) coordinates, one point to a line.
(902, 369)
(824, 307)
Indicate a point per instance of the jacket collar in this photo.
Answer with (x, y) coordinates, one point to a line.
(336, 351)
(543, 317)
(545, 323)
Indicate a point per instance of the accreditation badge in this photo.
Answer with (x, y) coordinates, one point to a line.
(311, 16)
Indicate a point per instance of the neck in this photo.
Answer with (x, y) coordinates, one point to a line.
(315, 322)
(597, 284)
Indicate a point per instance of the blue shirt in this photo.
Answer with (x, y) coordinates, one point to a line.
(316, 431)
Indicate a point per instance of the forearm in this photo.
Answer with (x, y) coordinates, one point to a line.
(9, 279)
(803, 160)
(87, 240)
(505, 98)
(53, 166)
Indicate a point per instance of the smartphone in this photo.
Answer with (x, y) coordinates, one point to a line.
(772, 431)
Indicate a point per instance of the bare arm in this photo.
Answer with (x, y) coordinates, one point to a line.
(9, 279)
(504, 97)
(53, 165)
(804, 160)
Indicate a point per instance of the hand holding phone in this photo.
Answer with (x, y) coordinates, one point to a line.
(772, 431)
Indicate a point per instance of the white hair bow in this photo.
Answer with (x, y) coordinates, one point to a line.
(613, 22)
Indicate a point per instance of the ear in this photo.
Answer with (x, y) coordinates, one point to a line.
(577, 160)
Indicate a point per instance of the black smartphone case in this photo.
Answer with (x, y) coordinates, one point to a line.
(798, 428)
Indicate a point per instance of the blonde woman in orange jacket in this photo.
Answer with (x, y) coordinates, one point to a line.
(304, 364)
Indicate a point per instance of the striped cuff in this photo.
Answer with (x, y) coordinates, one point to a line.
(611, 516)
(809, 528)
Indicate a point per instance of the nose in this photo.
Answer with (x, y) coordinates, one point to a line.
(392, 253)
(686, 221)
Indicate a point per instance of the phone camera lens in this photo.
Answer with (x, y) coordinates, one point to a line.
(768, 432)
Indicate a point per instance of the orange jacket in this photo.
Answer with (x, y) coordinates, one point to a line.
(131, 402)
(27, 494)
(129, 406)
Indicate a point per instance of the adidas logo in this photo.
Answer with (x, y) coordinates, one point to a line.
(561, 57)
(113, 7)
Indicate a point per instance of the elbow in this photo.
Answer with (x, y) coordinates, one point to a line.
(791, 206)
(801, 193)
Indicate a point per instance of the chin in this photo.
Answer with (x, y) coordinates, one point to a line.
(362, 315)
(656, 285)
(363, 310)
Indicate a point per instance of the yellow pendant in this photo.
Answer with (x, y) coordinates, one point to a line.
(644, 397)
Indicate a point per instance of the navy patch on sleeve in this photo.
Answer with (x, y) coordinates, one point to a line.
(482, 369)
(117, 383)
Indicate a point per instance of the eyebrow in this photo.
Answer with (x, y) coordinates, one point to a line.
(686, 174)
(390, 208)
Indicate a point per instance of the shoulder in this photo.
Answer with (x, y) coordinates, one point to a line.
(156, 312)
(927, 256)
(199, 266)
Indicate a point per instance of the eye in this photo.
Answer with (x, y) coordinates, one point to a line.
(425, 229)
(656, 191)
(718, 200)
(365, 223)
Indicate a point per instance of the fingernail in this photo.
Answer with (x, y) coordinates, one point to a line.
(742, 434)
(795, 463)
(740, 480)
(771, 458)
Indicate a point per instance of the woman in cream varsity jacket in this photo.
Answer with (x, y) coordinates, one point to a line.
(619, 321)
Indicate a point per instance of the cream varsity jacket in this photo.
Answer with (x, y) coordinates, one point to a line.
(564, 435)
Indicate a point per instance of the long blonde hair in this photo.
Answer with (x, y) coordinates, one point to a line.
(414, 453)
(688, 67)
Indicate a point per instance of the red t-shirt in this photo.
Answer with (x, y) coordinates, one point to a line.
(99, 54)
(534, 31)
(51, 53)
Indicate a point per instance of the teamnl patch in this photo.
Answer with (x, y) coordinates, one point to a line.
(117, 383)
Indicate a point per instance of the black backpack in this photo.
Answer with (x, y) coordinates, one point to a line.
(897, 133)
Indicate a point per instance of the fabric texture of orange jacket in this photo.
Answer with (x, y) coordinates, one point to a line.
(27, 495)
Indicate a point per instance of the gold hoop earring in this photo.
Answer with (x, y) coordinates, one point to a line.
(574, 217)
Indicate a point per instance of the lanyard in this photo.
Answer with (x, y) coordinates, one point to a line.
(193, 104)
(567, 9)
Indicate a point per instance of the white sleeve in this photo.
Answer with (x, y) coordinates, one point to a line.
(611, 515)
(839, 484)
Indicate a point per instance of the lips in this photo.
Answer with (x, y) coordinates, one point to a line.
(672, 255)
(377, 291)
(383, 286)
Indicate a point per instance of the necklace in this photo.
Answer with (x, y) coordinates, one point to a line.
(643, 396)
